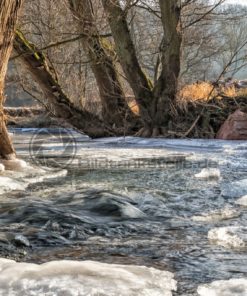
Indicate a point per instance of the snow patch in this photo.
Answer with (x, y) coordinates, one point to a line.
(208, 173)
(231, 237)
(83, 278)
(232, 287)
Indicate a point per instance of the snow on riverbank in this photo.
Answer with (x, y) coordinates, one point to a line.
(83, 278)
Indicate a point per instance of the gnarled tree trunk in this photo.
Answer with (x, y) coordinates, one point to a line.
(166, 87)
(58, 102)
(154, 101)
(115, 107)
(139, 82)
(8, 17)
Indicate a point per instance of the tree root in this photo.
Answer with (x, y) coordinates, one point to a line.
(155, 132)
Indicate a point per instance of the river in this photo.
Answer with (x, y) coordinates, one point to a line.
(129, 201)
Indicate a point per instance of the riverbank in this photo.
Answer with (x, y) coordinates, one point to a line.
(192, 118)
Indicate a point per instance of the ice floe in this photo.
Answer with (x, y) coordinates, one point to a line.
(218, 215)
(208, 173)
(231, 236)
(9, 184)
(20, 180)
(232, 287)
(72, 278)
(242, 201)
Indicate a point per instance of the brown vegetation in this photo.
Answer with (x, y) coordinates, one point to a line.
(205, 91)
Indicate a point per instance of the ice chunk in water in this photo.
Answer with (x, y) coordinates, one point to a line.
(9, 184)
(232, 287)
(235, 189)
(219, 215)
(242, 201)
(83, 278)
(232, 236)
(208, 173)
(19, 180)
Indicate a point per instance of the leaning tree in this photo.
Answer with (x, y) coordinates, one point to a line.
(8, 16)
(115, 109)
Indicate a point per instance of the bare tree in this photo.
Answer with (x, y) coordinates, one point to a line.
(212, 34)
(8, 17)
(101, 58)
(154, 100)
(138, 44)
(57, 101)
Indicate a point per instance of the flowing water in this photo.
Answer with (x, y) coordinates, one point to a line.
(130, 201)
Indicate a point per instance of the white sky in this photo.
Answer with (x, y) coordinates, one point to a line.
(243, 2)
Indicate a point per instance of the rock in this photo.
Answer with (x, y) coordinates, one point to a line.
(234, 128)
(21, 240)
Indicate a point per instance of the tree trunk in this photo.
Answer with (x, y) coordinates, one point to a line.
(155, 103)
(166, 87)
(139, 82)
(100, 54)
(8, 17)
(59, 103)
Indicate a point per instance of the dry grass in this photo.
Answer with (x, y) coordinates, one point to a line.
(230, 92)
(197, 91)
(242, 92)
(205, 91)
